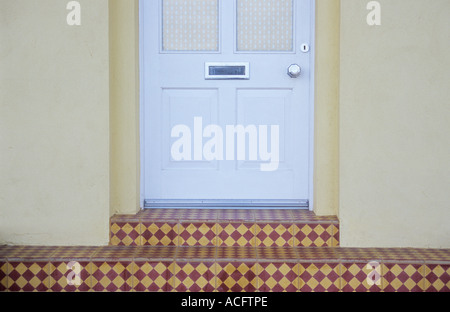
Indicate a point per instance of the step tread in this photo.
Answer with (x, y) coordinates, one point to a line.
(213, 253)
(229, 215)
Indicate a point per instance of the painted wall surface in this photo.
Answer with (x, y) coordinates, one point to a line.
(395, 124)
(326, 108)
(381, 125)
(124, 105)
(54, 123)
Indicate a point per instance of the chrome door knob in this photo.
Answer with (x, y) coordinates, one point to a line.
(294, 71)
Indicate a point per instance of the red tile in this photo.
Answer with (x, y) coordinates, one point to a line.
(236, 276)
(361, 277)
(437, 277)
(236, 234)
(319, 277)
(197, 234)
(70, 276)
(3, 275)
(194, 276)
(28, 276)
(111, 276)
(402, 277)
(159, 233)
(274, 234)
(152, 276)
(278, 277)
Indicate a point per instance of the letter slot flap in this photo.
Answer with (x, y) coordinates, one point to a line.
(227, 71)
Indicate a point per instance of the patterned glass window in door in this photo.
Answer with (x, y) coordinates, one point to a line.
(265, 25)
(190, 25)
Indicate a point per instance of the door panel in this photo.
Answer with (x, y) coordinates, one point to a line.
(241, 140)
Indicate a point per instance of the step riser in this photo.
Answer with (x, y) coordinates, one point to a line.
(223, 234)
(225, 228)
(235, 276)
(150, 268)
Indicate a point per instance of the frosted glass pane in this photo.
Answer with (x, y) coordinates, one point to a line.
(190, 25)
(265, 25)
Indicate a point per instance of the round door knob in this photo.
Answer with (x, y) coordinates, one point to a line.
(294, 71)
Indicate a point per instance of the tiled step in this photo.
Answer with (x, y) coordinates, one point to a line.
(225, 227)
(212, 268)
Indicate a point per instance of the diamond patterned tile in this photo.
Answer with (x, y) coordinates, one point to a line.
(274, 234)
(236, 215)
(8, 251)
(196, 252)
(320, 277)
(276, 254)
(74, 252)
(33, 252)
(272, 214)
(3, 276)
(303, 215)
(113, 253)
(335, 242)
(432, 254)
(199, 215)
(278, 277)
(236, 234)
(403, 277)
(147, 253)
(361, 277)
(317, 254)
(197, 234)
(70, 276)
(194, 277)
(437, 278)
(152, 275)
(236, 276)
(125, 233)
(399, 254)
(233, 253)
(351, 254)
(159, 214)
(111, 276)
(313, 235)
(28, 276)
(159, 233)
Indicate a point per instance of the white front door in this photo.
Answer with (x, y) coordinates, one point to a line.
(226, 113)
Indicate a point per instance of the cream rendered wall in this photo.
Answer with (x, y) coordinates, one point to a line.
(326, 108)
(54, 123)
(395, 125)
(124, 113)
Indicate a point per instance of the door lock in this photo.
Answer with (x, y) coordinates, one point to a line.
(294, 70)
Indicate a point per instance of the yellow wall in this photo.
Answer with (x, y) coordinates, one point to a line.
(54, 123)
(395, 124)
(326, 106)
(124, 113)
(69, 123)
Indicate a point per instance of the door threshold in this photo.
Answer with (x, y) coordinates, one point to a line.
(227, 203)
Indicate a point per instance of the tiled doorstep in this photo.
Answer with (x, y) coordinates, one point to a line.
(224, 227)
(153, 268)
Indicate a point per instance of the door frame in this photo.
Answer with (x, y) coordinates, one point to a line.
(311, 103)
